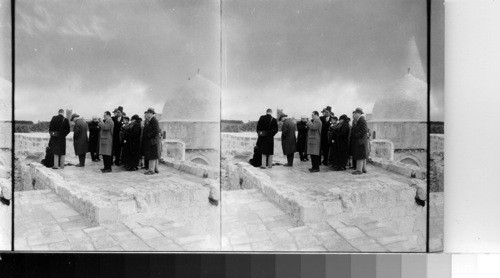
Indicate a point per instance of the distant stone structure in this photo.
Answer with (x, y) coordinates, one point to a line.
(5, 163)
(192, 114)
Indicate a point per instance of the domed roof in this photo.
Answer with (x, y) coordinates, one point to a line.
(5, 100)
(405, 99)
(197, 100)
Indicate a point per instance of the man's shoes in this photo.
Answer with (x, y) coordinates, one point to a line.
(106, 170)
(149, 173)
(55, 168)
(79, 165)
(313, 170)
(364, 171)
(263, 167)
(156, 171)
(287, 165)
(357, 173)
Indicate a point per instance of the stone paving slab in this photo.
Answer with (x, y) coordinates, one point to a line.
(256, 232)
(51, 224)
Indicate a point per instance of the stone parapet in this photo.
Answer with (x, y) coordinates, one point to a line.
(407, 170)
(199, 170)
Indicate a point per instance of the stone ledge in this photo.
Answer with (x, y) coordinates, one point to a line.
(400, 168)
(199, 170)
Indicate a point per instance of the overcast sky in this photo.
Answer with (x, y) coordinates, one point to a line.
(93, 56)
(304, 55)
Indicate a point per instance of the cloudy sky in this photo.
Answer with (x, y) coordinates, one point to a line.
(93, 56)
(304, 55)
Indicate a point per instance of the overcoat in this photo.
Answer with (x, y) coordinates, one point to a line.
(117, 127)
(80, 137)
(132, 144)
(359, 139)
(94, 136)
(325, 126)
(106, 137)
(340, 146)
(268, 124)
(150, 139)
(288, 138)
(61, 125)
(302, 136)
(314, 137)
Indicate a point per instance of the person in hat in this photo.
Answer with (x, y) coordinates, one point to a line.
(326, 121)
(302, 138)
(358, 141)
(118, 123)
(80, 139)
(314, 140)
(288, 138)
(150, 141)
(124, 155)
(94, 130)
(59, 128)
(267, 127)
(340, 146)
(106, 141)
(332, 133)
(132, 143)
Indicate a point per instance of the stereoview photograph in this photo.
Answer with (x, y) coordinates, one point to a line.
(117, 126)
(324, 141)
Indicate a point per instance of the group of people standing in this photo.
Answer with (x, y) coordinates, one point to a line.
(125, 139)
(328, 140)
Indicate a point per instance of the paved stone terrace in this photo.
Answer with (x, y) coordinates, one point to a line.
(46, 221)
(251, 222)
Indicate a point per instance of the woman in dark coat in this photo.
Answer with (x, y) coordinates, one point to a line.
(150, 141)
(302, 138)
(132, 143)
(288, 140)
(267, 127)
(342, 143)
(59, 129)
(358, 142)
(94, 139)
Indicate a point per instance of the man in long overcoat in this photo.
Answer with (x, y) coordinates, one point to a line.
(117, 123)
(106, 141)
(94, 130)
(358, 141)
(267, 127)
(326, 121)
(80, 139)
(150, 141)
(302, 138)
(132, 143)
(288, 139)
(314, 141)
(341, 144)
(59, 129)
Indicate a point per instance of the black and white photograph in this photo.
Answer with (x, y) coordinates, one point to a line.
(117, 108)
(324, 126)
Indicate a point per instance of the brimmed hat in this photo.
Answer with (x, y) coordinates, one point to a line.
(126, 118)
(358, 110)
(343, 117)
(136, 117)
(328, 108)
(150, 110)
(282, 116)
(74, 116)
(120, 109)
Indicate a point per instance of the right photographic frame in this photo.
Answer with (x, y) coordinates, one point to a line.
(332, 126)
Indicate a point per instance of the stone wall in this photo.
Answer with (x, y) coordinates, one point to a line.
(196, 135)
(404, 134)
(382, 149)
(5, 210)
(437, 163)
(174, 148)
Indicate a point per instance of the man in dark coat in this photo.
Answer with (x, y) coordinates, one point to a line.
(332, 134)
(288, 139)
(314, 141)
(94, 138)
(358, 141)
(302, 138)
(59, 129)
(150, 141)
(118, 122)
(325, 125)
(267, 127)
(80, 138)
(106, 141)
(124, 156)
(132, 143)
(341, 148)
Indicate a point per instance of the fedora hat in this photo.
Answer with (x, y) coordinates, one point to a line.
(136, 117)
(358, 110)
(150, 110)
(282, 116)
(74, 116)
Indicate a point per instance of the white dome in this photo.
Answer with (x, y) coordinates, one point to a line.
(405, 99)
(197, 100)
